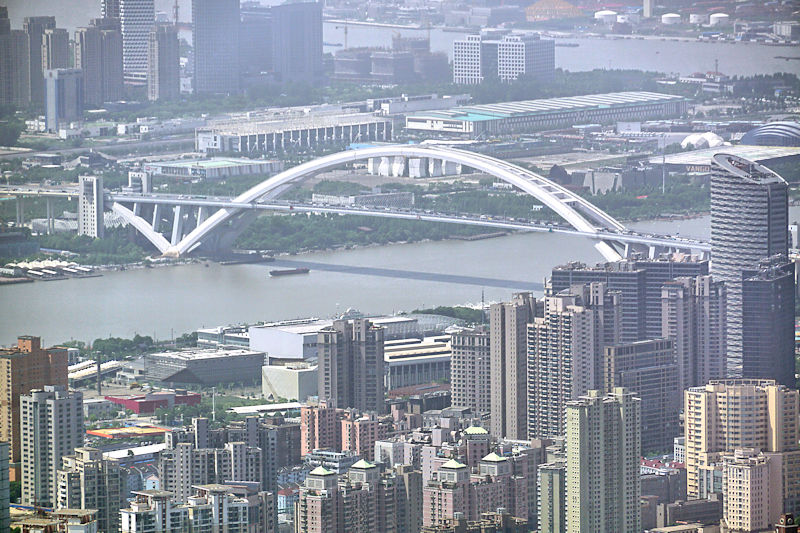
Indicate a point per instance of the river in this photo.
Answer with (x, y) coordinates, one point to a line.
(741, 59)
(174, 300)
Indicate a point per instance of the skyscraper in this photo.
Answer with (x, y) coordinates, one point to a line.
(525, 54)
(163, 64)
(216, 46)
(55, 49)
(255, 39)
(768, 304)
(64, 97)
(603, 451)
(109, 9)
(14, 60)
(5, 489)
(34, 28)
(23, 368)
(53, 429)
(508, 323)
(88, 481)
(90, 206)
(752, 490)
(350, 365)
(647, 369)
(98, 53)
(297, 42)
(726, 415)
(137, 18)
(749, 222)
(565, 352)
(552, 497)
(470, 371)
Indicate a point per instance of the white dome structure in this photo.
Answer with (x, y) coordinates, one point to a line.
(606, 16)
(702, 140)
(697, 18)
(670, 18)
(718, 19)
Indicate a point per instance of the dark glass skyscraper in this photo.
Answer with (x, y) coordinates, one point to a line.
(297, 41)
(768, 321)
(216, 46)
(749, 222)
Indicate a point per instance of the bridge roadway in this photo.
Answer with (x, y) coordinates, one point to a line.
(625, 236)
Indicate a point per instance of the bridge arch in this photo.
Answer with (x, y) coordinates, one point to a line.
(578, 212)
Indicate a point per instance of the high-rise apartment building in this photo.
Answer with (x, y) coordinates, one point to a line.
(752, 490)
(14, 59)
(320, 428)
(23, 368)
(508, 322)
(470, 371)
(768, 304)
(137, 18)
(90, 206)
(55, 49)
(52, 427)
(553, 497)
(565, 352)
(215, 26)
(255, 39)
(297, 41)
(64, 97)
(5, 488)
(726, 415)
(500, 55)
(88, 481)
(602, 456)
(526, 54)
(163, 64)
(647, 369)
(34, 28)
(98, 53)
(350, 365)
(749, 222)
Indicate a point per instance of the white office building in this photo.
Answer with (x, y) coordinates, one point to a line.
(137, 20)
(90, 206)
(525, 54)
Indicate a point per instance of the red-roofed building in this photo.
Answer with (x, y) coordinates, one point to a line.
(148, 403)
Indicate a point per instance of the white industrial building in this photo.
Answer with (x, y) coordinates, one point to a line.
(291, 131)
(294, 381)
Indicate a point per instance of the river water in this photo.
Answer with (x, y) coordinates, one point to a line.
(174, 300)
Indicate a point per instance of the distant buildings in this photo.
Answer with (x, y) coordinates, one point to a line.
(14, 60)
(509, 365)
(749, 221)
(163, 63)
(602, 457)
(205, 366)
(752, 486)
(297, 42)
(137, 19)
(350, 365)
(215, 26)
(34, 28)
(64, 102)
(23, 368)
(55, 49)
(98, 53)
(506, 57)
(53, 429)
(768, 303)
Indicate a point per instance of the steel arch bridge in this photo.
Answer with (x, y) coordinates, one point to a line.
(584, 217)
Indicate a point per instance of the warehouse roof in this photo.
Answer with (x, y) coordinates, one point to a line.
(506, 110)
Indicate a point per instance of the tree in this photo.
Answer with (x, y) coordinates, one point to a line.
(10, 130)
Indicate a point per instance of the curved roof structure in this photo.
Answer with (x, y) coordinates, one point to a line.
(575, 210)
(702, 140)
(746, 169)
(783, 133)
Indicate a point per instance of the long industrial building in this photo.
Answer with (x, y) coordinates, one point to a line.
(292, 132)
(204, 366)
(551, 113)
